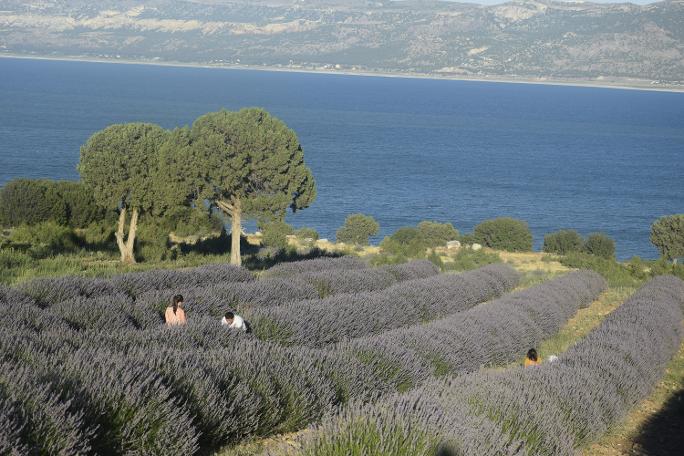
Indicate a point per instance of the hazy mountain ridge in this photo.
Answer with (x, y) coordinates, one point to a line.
(535, 39)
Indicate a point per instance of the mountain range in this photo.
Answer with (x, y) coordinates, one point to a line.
(523, 39)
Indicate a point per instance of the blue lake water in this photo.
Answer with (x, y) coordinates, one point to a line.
(402, 150)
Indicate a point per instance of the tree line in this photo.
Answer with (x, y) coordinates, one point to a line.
(245, 164)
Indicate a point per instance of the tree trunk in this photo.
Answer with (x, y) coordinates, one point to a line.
(234, 210)
(126, 245)
(129, 257)
(120, 232)
(235, 231)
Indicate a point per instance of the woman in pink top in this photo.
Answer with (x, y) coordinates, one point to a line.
(175, 315)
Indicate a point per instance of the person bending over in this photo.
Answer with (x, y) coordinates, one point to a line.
(175, 315)
(532, 359)
(234, 321)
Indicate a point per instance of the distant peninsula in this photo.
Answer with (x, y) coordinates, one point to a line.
(549, 42)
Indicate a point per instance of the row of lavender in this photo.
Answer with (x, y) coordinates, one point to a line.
(69, 388)
(321, 322)
(138, 300)
(308, 275)
(493, 334)
(552, 409)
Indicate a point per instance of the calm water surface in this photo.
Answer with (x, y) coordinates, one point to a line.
(402, 150)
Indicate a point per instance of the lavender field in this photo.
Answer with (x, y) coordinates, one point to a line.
(391, 360)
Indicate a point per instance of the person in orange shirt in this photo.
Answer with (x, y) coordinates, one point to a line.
(532, 359)
(175, 315)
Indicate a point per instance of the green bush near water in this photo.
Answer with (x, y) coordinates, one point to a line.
(413, 242)
(563, 242)
(667, 234)
(600, 245)
(275, 234)
(504, 233)
(630, 274)
(357, 229)
(29, 202)
(306, 233)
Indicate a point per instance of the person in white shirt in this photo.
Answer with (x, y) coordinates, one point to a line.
(234, 321)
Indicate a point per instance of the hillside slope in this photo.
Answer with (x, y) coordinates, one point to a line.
(522, 38)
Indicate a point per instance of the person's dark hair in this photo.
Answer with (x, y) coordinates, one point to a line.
(532, 354)
(175, 301)
(230, 315)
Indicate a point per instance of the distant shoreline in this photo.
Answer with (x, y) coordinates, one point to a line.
(551, 82)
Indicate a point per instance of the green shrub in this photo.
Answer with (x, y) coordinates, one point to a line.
(467, 239)
(435, 259)
(197, 221)
(12, 263)
(152, 241)
(600, 245)
(405, 242)
(306, 233)
(504, 234)
(81, 209)
(26, 201)
(45, 239)
(410, 242)
(616, 274)
(467, 259)
(638, 268)
(386, 258)
(405, 235)
(667, 234)
(275, 234)
(563, 242)
(98, 233)
(662, 266)
(357, 229)
(435, 234)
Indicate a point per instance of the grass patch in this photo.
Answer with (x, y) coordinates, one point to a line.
(584, 321)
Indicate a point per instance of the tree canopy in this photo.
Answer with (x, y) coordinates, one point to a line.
(667, 234)
(250, 165)
(120, 165)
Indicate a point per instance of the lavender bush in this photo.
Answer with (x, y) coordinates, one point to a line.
(135, 283)
(320, 322)
(418, 269)
(315, 265)
(43, 422)
(202, 384)
(48, 291)
(115, 380)
(333, 282)
(493, 333)
(10, 428)
(552, 409)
